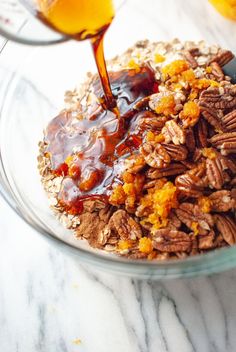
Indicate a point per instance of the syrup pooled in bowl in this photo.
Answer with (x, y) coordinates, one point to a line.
(89, 151)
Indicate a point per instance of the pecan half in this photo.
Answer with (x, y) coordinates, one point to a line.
(229, 121)
(93, 227)
(227, 227)
(155, 156)
(221, 201)
(189, 213)
(206, 241)
(218, 98)
(147, 120)
(176, 152)
(192, 182)
(223, 57)
(215, 173)
(217, 71)
(212, 117)
(201, 133)
(226, 142)
(173, 133)
(188, 185)
(170, 170)
(166, 240)
(190, 58)
(190, 139)
(122, 224)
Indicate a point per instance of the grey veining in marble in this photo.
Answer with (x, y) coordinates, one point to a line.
(48, 300)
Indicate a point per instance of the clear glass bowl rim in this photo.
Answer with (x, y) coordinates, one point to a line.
(212, 262)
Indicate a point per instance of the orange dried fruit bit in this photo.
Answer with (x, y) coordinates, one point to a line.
(152, 137)
(117, 196)
(205, 204)
(175, 67)
(158, 203)
(62, 170)
(195, 228)
(193, 94)
(209, 153)
(158, 58)
(128, 177)
(132, 64)
(90, 182)
(188, 75)
(190, 113)
(208, 69)
(166, 105)
(204, 83)
(145, 245)
(124, 245)
(74, 171)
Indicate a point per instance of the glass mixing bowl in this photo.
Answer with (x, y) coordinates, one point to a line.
(33, 82)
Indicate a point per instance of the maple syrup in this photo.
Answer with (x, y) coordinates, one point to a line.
(90, 152)
(99, 142)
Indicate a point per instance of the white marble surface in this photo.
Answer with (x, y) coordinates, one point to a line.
(48, 300)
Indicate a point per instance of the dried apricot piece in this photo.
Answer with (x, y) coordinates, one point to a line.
(175, 67)
(117, 196)
(209, 153)
(158, 58)
(190, 114)
(145, 245)
(166, 105)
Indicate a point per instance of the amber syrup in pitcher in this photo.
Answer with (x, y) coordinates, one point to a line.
(82, 19)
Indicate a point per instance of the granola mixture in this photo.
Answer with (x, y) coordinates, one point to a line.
(174, 195)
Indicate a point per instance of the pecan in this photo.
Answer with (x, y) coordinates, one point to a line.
(222, 201)
(218, 98)
(215, 173)
(206, 241)
(226, 142)
(135, 163)
(190, 58)
(147, 120)
(176, 152)
(227, 227)
(93, 227)
(174, 222)
(197, 155)
(229, 121)
(190, 139)
(233, 194)
(201, 133)
(223, 57)
(212, 117)
(227, 164)
(170, 170)
(122, 224)
(233, 182)
(192, 182)
(189, 213)
(155, 156)
(173, 133)
(166, 240)
(187, 185)
(194, 51)
(217, 71)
